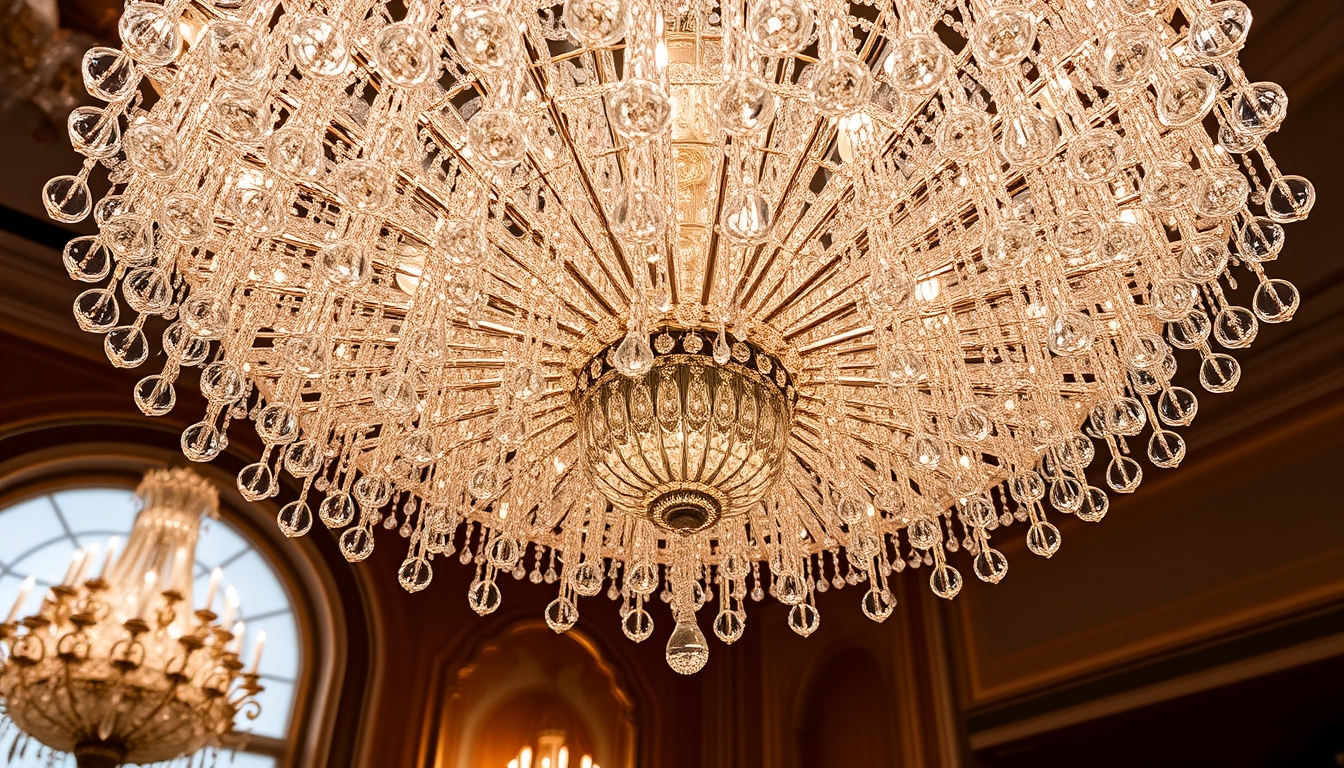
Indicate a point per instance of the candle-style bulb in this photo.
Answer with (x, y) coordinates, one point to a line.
(146, 594)
(215, 576)
(256, 651)
(180, 573)
(72, 571)
(110, 559)
(24, 589)
(230, 606)
(86, 564)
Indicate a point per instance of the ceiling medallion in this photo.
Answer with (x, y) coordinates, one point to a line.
(692, 299)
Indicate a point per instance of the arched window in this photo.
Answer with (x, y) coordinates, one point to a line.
(39, 534)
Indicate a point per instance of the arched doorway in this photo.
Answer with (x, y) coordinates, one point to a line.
(848, 715)
(526, 681)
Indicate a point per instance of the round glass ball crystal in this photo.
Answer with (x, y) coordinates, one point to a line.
(703, 300)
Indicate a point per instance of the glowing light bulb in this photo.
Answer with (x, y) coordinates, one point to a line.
(928, 290)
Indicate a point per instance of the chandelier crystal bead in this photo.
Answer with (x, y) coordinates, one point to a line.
(685, 287)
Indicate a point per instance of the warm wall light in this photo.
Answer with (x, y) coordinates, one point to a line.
(551, 752)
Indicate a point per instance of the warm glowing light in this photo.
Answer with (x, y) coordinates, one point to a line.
(855, 131)
(928, 290)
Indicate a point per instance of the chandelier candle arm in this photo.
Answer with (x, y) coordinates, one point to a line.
(689, 299)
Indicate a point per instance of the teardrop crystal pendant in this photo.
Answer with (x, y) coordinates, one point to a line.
(639, 109)
(634, 356)
(638, 625)
(596, 23)
(155, 396)
(687, 650)
(945, 581)
(67, 199)
(295, 519)
(415, 574)
(561, 615)
(780, 27)
(150, 33)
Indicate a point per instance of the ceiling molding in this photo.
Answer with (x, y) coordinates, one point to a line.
(1208, 679)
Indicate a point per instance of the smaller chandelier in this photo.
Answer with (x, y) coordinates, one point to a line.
(551, 752)
(115, 668)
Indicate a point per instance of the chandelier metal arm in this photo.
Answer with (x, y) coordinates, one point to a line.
(535, 72)
(591, 290)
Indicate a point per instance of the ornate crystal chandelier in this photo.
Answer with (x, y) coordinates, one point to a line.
(660, 292)
(116, 668)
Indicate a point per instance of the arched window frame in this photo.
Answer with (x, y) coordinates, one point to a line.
(319, 619)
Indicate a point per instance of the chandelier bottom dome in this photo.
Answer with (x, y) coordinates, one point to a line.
(691, 441)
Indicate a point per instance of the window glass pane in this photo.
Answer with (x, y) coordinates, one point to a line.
(24, 526)
(50, 562)
(244, 760)
(258, 588)
(9, 591)
(98, 511)
(217, 543)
